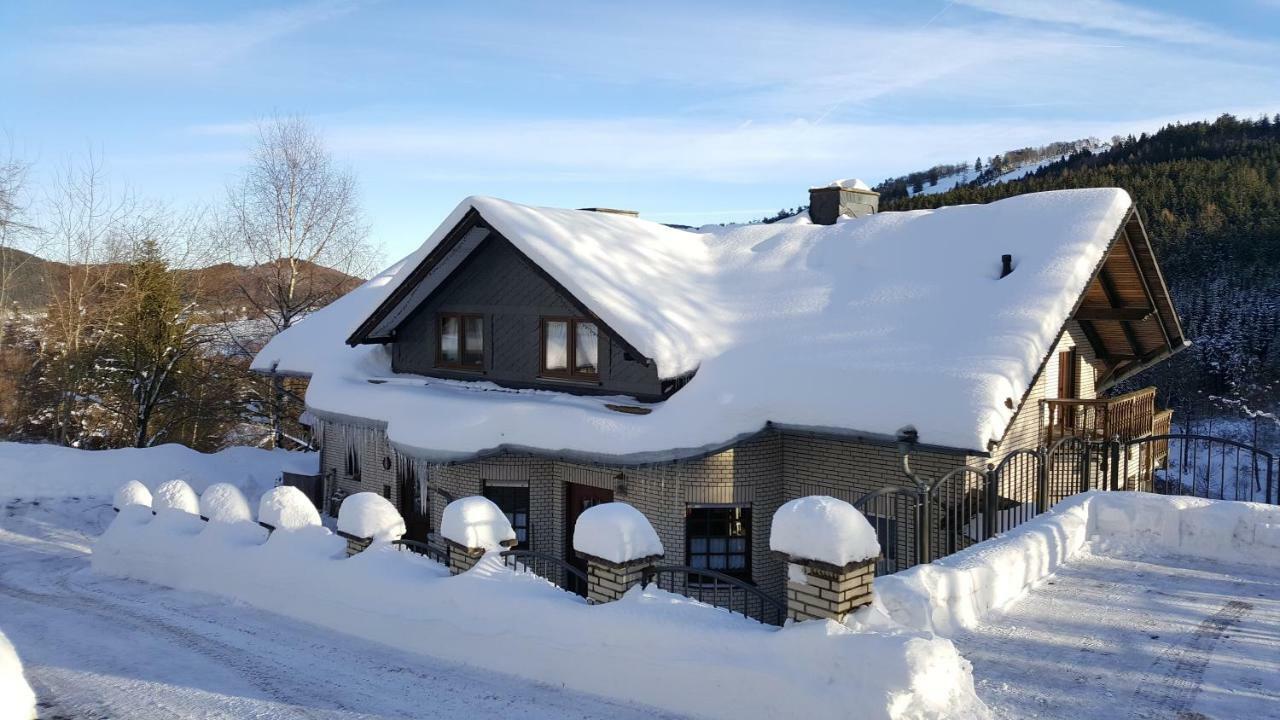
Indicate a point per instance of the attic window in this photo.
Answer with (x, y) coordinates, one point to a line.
(460, 342)
(570, 349)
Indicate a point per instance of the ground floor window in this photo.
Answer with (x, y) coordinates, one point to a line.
(513, 500)
(719, 538)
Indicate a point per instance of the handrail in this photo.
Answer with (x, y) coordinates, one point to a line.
(779, 609)
(420, 548)
(515, 558)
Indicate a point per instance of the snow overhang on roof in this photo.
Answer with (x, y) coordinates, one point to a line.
(871, 324)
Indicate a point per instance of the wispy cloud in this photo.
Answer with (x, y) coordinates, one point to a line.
(174, 47)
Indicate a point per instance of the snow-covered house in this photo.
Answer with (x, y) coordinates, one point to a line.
(553, 359)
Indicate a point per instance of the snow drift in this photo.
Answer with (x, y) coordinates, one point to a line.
(17, 700)
(908, 309)
(959, 591)
(636, 649)
(48, 471)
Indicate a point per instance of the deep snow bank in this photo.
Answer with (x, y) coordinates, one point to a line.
(40, 471)
(637, 649)
(17, 701)
(959, 590)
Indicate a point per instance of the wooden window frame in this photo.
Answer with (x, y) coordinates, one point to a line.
(462, 341)
(571, 350)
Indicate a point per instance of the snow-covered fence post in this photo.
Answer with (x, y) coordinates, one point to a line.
(365, 517)
(286, 508)
(619, 546)
(832, 552)
(472, 526)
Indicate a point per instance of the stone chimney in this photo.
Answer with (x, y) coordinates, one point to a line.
(850, 198)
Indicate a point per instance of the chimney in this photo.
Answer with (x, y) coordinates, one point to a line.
(1006, 265)
(850, 198)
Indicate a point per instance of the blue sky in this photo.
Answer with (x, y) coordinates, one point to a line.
(687, 112)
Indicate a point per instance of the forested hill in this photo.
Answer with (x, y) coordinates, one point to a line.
(1209, 193)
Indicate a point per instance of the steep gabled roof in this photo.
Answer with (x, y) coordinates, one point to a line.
(867, 325)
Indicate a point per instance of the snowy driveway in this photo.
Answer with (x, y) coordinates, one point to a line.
(98, 647)
(1107, 637)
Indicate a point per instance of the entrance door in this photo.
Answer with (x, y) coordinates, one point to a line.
(579, 498)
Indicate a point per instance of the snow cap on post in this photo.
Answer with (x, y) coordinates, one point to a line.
(476, 523)
(175, 496)
(223, 502)
(287, 508)
(369, 516)
(616, 532)
(131, 493)
(823, 529)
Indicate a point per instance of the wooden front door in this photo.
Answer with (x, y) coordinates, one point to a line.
(578, 498)
(1068, 386)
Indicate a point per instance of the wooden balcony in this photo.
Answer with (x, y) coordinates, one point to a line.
(1127, 416)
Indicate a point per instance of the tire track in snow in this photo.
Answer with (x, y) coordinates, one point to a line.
(1181, 667)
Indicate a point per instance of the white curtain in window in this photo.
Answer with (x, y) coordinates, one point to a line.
(449, 339)
(587, 348)
(474, 345)
(557, 345)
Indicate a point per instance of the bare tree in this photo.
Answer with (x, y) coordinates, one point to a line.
(293, 215)
(19, 239)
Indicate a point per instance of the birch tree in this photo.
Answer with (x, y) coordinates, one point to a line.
(294, 213)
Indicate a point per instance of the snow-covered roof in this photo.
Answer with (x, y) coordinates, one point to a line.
(871, 324)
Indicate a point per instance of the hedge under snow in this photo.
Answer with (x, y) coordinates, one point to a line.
(825, 529)
(369, 515)
(17, 700)
(959, 591)
(907, 309)
(476, 522)
(636, 649)
(616, 532)
(287, 508)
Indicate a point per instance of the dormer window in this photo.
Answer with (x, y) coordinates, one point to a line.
(460, 342)
(570, 349)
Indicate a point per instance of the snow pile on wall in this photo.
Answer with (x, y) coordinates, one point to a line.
(17, 700)
(825, 529)
(224, 503)
(369, 515)
(495, 618)
(616, 532)
(175, 496)
(287, 508)
(906, 309)
(476, 522)
(48, 471)
(958, 591)
(131, 493)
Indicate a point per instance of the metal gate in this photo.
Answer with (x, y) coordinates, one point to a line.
(1197, 465)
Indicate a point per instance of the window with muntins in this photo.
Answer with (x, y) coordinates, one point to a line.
(570, 349)
(513, 501)
(460, 342)
(719, 538)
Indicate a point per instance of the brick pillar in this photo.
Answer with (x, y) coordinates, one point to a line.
(462, 558)
(355, 544)
(607, 581)
(819, 590)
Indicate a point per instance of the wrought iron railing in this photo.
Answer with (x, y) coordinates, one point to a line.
(427, 550)
(549, 567)
(718, 589)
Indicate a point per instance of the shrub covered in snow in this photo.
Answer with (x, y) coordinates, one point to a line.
(824, 529)
(369, 515)
(175, 496)
(475, 522)
(131, 493)
(616, 532)
(287, 508)
(223, 502)
(17, 701)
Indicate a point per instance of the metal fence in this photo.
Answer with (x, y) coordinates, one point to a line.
(970, 504)
(720, 590)
(549, 567)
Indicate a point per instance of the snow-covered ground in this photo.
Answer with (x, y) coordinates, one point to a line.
(100, 647)
(1111, 636)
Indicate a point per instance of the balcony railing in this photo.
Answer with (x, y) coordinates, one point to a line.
(1126, 416)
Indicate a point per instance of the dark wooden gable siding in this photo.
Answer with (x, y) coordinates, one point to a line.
(498, 283)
